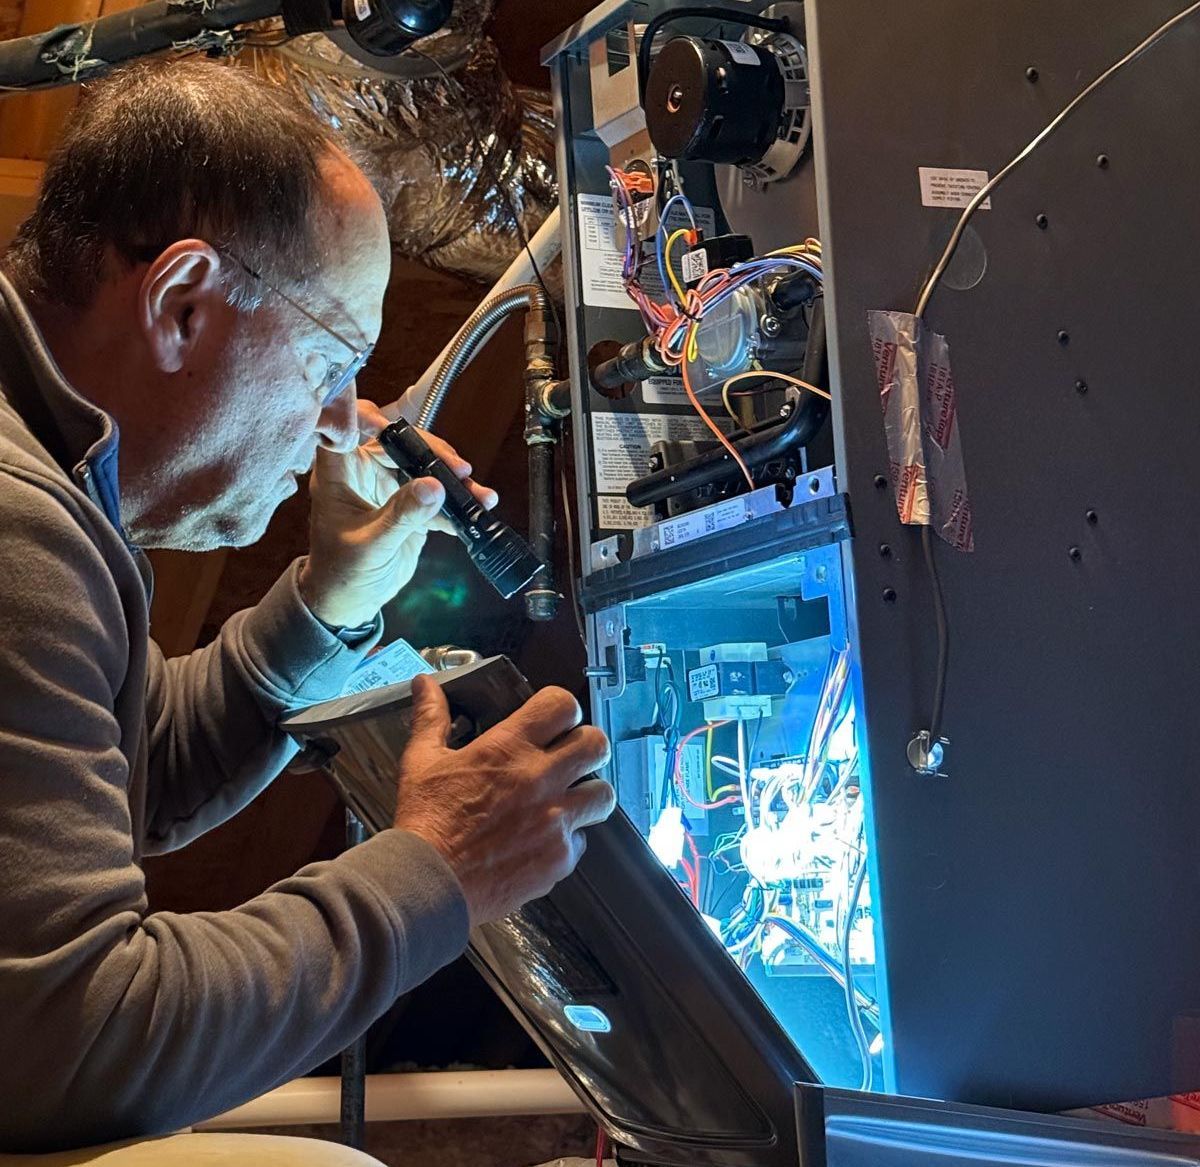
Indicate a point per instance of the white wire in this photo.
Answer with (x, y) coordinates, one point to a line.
(983, 194)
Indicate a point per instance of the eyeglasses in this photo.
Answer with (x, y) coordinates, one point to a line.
(339, 377)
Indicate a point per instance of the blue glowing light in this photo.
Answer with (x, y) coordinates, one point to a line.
(588, 1018)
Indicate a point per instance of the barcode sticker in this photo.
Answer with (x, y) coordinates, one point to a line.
(695, 265)
(741, 52)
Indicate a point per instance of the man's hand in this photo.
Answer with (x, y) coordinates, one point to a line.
(502, 811)
(366, 530)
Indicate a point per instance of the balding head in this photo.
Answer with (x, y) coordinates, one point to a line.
(166, 150)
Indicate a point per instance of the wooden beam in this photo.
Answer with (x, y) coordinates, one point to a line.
(19, 181)
(30, 123)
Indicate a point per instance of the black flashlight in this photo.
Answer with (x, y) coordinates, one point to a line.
(505, 559)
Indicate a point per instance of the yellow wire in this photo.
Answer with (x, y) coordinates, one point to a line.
(718, 794)
(680, 291)
(766, 373)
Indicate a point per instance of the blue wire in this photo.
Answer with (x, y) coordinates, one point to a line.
(660, 237)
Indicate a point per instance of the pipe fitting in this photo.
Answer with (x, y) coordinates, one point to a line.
(481, 322)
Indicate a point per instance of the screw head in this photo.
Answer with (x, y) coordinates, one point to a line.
(1075, 554)
(1102, 161)
(1064, 337)
(889, 595)
(1092, 517)
(1031, 74)
(1081, 386)
(880, 482)
(885, 551)
(1042, 222)
(770, 325)
(814, 485)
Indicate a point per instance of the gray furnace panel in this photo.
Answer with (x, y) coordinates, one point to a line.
(1041, 903)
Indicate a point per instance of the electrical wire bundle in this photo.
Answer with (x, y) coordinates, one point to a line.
(674, 324)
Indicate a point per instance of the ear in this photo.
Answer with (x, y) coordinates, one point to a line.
(181, 298)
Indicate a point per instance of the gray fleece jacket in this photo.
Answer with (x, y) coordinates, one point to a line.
(116, 1022)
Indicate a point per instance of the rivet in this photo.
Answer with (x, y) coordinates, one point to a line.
(1081, 386)
(1075, 554)
(880, 482)
(1064, 337)
(1102, 161)
(1092, 517)
(1042, 222)
(885, 551)
(889, 595)
(1031, 74)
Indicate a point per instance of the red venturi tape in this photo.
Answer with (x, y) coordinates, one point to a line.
(920, 418)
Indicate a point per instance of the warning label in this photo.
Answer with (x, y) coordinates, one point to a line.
(621, 443)
(941, 187)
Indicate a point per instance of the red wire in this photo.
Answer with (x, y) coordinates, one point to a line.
(683, 741)
(601, 1146)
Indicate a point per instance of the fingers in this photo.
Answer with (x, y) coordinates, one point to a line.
(484, 495)
(415, 505)
(580, 752)
(430, 713)
(448, 454)
(371, 419)
(589, 803)
(544, 718)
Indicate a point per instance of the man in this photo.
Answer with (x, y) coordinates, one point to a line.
(204, 274)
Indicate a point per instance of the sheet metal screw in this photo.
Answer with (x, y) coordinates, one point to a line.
(1081, 386)
(1092, 517)
(1102, 161)
(770, 326)
(1064, 337)
(1042, 222)
(889, 595)
(880, 482)
(1031, 74)
(1075, 554)
(885, 551)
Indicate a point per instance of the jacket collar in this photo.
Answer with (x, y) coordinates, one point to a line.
(86, 440)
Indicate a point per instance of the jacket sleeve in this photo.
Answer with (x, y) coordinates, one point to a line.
(115, 1022)
(213, 714)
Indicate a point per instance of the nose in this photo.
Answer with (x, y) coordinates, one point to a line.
(337, 425)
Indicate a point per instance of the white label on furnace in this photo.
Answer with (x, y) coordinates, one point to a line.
(664, 391)
(695, 265)
(617, 514)
(697, 524)
(362, 9)
(621, 443)
(741, 52)
(951, 188)
(600, 258)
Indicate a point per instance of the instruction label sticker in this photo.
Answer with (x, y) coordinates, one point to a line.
(621, 443)
(616, 513)
(941, 187)
(664, 391)
(600, 257)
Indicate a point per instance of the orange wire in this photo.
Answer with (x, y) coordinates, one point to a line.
(695, 868)
(708, 421)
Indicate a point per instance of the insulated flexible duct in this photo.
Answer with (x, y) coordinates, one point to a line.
(449, 158)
